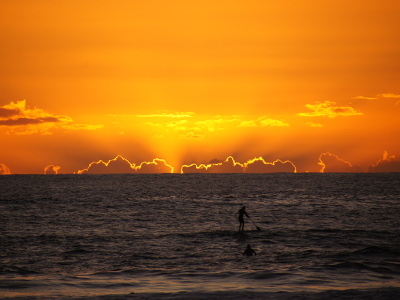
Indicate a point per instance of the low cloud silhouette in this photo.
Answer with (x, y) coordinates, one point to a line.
(228, 166)
(51, 169)
(331, 163)
(215, 166)
(4, 170)
(116, 165)
(194, 168)
(256, 165)
(155, 166)
(259, 165)
(120, 165)
(386, 164)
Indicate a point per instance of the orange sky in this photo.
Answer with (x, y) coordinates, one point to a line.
(315, 83)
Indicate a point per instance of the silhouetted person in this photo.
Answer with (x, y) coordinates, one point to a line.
(249, 251)
(242, 212)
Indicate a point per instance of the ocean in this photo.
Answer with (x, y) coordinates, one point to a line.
(175, 236)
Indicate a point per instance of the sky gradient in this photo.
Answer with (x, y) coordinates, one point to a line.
(199, 86)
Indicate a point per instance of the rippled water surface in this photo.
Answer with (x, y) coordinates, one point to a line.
(82, 235)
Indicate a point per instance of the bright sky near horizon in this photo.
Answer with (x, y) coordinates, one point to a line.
(315, 84)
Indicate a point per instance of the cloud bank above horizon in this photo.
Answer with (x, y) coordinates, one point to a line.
(328, 162)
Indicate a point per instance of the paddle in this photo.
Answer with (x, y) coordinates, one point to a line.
(258, 228)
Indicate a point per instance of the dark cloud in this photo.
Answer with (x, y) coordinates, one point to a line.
(24, 120)
(215, 166)
(8, 112)
(331, 163)
(257, 165)
(385, 165)
(155, 167)
(193, 168)
(228, 166)
(120, 165)
(28, 121)
(260, 166)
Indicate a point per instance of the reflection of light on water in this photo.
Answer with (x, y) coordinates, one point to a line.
(96, 285)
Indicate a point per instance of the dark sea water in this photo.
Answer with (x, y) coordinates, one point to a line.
(175, 236)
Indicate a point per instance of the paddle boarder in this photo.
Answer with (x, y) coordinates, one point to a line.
(241, 213)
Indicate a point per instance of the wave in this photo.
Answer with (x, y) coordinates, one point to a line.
(346, 265)
(378, 250)
(266, 275)
(378, 268)
(211, 234)
(77, 251)
(16, 270)
(12, 284)
(380, 254)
